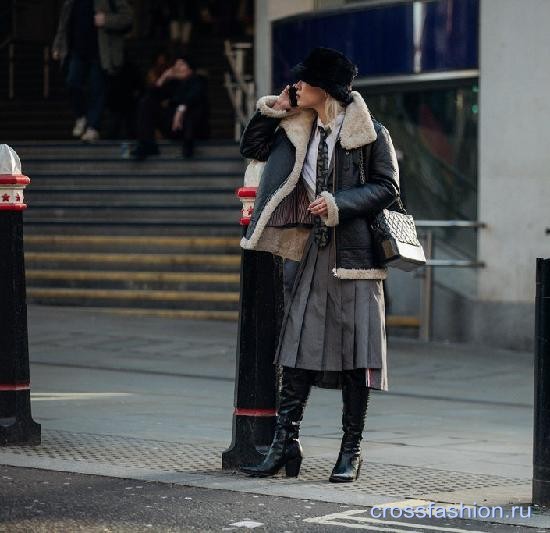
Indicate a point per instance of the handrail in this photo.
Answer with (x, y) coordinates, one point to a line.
(426, 272)
(11, 71)
(236, 61)
(10, 11)
(457, 223)
(46, 54)
(5, 42)
(239, 85)
(455, 263)
(44, 51)
(449, 224)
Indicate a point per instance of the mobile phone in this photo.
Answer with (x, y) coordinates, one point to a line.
(292, 96)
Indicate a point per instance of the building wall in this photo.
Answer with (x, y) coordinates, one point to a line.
(514, 162)
(266, 12)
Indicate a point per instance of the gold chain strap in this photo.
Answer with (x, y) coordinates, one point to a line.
(361, 166)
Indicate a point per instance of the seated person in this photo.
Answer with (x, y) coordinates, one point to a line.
(177, 105)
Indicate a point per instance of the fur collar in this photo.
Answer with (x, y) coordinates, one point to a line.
(357, 127)
(357, 130)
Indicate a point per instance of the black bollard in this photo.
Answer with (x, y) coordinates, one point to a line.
(260, 312)
(541, 428)
(16, 423)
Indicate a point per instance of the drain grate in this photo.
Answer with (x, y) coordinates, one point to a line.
(381, 479)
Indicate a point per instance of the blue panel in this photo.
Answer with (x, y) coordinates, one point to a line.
(380, 40)
(449, 37)
(376, 40)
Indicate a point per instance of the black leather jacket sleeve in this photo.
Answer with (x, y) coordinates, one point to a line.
(381, 187)
(257, 137)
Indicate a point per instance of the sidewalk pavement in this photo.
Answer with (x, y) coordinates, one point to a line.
(150, 398)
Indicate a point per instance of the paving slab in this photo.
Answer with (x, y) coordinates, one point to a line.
(156, 396)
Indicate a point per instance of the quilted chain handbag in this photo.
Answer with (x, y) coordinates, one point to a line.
(394, 233)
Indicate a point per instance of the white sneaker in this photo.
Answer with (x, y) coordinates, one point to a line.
(90, 135)
(79, 127)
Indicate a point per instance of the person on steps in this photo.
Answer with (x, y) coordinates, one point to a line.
(89, 42)
(177, 105)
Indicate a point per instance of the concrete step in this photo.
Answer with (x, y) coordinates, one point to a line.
(128, 280)
(75, 226)
(102, 143)
(218, 196)
(156, 236)
(155, 182)
(160, 262)
(132, 243)
(191, 300)
(178, 202)
(151, 167)
(180, 273)
(31, 154)
(139, 215)
(112, 160)
(55, 132)
(189, 314)
(67, 118)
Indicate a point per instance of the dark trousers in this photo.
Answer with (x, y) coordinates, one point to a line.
(80, 71)
(153, 115)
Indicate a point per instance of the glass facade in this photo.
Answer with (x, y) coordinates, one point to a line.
(434, 130)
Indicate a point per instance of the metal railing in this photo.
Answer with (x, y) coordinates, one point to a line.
(46, 72)
(44, 52)
(7, 13)
(240, 86)
(11, 71)
(426, 272)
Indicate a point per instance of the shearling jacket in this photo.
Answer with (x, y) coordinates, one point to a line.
(110, 37)
(280, 222)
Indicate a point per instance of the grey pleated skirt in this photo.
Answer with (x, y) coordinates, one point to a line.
(331, 324)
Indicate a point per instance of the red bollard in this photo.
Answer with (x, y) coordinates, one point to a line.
(16, 423)
(260, 312)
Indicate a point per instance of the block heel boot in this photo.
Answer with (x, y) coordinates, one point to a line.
(355, 396)
(286, 450)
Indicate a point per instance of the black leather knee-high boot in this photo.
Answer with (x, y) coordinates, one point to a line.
(355, 396)
(286, 450)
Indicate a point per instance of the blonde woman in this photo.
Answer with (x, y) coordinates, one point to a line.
(330, 167)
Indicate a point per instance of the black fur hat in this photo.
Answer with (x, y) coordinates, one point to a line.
(329, 69)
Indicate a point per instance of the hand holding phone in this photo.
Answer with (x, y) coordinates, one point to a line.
(292, 96)
(284, 100)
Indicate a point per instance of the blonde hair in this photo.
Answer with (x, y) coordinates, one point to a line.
(332, 108)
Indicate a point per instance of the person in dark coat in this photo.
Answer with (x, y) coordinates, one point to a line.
(89, 42)
(177, 105)
(314, 209)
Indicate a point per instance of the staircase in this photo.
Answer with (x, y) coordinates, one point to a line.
(30, 116)
(159, 237)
